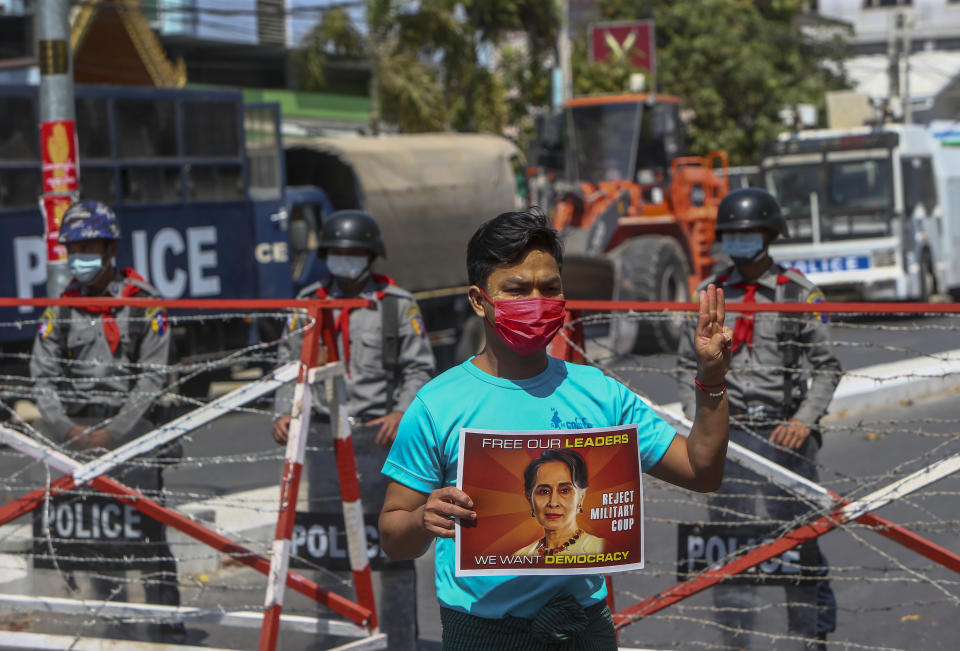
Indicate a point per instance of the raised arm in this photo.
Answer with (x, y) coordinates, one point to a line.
(696, 463)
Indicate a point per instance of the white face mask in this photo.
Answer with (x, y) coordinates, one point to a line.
(743, 246)
(85, 267)
(350, 267)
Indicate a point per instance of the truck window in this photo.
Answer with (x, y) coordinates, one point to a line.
(263, 152)
(19, 188)
(860, 184)
(660, 139)
(610, 130)
(210, 129)
(146, 128)
(150, 184)
(792, 185)
(19, 138)
(919, 185)
(93, 128)
(98, 183)
(215, 182)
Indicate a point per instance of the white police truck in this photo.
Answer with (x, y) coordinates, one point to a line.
(873, 213)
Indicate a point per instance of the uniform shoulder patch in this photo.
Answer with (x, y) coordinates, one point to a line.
(292, 322)
(816, 296)
(46, 323)
(415, 317)
(157, 318)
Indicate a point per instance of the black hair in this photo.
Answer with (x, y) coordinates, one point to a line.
(573, 459)
(506, 238)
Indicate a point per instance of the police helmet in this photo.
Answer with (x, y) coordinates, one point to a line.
(352, 229)
(88, 220)
(750, 208)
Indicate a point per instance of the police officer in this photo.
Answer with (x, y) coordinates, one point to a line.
(388, 357)
(772, 410)
(96, 378)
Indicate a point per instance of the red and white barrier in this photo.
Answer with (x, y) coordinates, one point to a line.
(835, 510)
(363, 614)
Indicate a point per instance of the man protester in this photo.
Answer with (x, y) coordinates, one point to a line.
(388, 358)
(514, 263)
(773, 411)
(98, 371)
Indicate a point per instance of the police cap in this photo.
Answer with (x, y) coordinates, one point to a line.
(750, 208)
(352, 229)
(88, 220)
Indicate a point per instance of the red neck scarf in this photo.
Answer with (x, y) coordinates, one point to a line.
(110, 327)
(342, 325)
(743, 328)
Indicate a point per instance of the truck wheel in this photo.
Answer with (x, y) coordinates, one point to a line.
(649, 268)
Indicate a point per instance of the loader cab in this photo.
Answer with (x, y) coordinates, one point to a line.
(623, 138)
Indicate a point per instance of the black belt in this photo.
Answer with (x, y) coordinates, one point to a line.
(765, 414)
(355, 421)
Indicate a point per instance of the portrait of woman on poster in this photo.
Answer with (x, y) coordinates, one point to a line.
(555, 484)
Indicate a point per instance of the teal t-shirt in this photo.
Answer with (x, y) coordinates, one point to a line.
(564, 396)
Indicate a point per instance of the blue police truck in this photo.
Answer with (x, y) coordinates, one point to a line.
(197, 180)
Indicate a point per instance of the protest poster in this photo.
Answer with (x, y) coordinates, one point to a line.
(551, 502)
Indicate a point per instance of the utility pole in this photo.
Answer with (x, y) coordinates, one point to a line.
(563, 78)
(564, 52)
(893, 63)
(58, 135)
(906, 23)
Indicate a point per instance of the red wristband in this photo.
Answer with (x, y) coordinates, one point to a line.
(712, 390)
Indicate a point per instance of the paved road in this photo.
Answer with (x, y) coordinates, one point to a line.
(882, 605)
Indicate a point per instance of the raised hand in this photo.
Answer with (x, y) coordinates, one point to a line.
(712, 340)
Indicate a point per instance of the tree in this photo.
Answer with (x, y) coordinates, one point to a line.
(334, 36)
(735, 64)
(403, 89)
(427, 57)
(466, 39)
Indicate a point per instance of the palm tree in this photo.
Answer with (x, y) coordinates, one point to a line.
(462, 29)
(402, 88)
(424, 57)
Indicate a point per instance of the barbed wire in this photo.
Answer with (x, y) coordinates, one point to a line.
(213, 581)
(891, 570)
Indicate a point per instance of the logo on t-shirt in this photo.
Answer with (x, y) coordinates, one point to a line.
(577, 422)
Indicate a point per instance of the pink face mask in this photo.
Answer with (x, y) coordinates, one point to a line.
(527, 325)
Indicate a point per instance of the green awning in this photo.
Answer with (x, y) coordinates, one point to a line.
(322, 106)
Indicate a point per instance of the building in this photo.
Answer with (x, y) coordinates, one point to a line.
(906, 54)
(173, 43)
(935, 23)
(111, 43)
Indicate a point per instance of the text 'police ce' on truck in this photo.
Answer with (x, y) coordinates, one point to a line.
(212, 204)
(873, 213)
